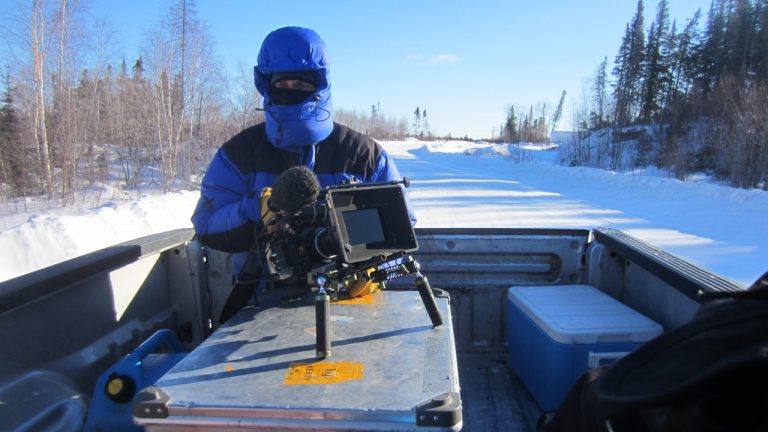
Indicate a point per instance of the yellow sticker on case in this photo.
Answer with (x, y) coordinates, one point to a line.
(323, 373)
(366, 299)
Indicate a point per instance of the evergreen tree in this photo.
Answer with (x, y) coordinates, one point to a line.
(711, 50)
(12, 170)
(540, 126)
(738, 38)
(621, 93)
(657, 56)
(424, 123)
(526, 132)
(525, 129)
(683, 61)
(628, 71)
(123, 69)
(599, 95)
(760, 47)
(650, 78)
(417, 121)
(510, 133)
(138, 68)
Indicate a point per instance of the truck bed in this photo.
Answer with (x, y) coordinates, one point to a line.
(62, 326)
(494, 398)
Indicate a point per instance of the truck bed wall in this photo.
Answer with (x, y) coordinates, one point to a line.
(477, 267)
(79, 317)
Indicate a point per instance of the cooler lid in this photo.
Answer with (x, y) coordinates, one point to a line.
(582, 314)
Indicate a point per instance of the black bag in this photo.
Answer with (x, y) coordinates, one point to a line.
(710, 374)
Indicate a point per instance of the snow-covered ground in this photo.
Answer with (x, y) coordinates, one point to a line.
(461, 184)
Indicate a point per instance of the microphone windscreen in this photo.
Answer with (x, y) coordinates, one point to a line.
(295, 187)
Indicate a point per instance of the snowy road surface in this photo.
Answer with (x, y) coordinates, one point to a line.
(720, 228)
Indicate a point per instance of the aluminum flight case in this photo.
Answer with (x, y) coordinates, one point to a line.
(389, 370)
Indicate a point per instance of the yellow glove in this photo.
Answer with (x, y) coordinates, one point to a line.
(266, 214)
(363, 286)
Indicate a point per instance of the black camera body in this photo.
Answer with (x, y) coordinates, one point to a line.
(349, 229)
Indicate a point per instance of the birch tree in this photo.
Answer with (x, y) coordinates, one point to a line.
(38, 52)
(182, 68)
(244, 99)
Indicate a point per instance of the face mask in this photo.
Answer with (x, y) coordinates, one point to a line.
(288, 96)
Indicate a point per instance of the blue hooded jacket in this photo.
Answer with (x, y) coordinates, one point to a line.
(294, 127)
(227, 214)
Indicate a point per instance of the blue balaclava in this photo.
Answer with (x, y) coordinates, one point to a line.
(297, 126)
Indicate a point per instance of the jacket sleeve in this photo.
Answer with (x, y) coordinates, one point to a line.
(385, 171)
(227, 214)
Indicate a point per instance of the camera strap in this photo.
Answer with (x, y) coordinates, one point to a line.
(244, 285)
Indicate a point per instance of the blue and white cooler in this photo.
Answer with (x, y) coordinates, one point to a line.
(556, 333)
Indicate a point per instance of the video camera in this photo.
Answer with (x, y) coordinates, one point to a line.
(350, 228)
(324, 240)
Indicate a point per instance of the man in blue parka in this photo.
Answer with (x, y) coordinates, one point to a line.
(293, 77)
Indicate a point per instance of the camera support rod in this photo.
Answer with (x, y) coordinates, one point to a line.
(405, 182)
(322, 319)
(323, 300)
(428, 297)
(411, 266)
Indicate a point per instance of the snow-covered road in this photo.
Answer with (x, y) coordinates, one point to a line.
(720, 228)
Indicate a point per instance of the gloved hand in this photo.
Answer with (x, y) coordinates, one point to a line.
(266, 213)
(363, 286)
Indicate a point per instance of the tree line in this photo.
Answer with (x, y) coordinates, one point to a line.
(535, 126)
(376, 123)
(68, 110)
(71, 107)
(689, 97)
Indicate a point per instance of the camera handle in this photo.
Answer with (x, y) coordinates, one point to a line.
(322, 319)
(411, 266)
(428, 297)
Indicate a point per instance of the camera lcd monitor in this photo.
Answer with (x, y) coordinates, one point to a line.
(363, 226)
(369, 221)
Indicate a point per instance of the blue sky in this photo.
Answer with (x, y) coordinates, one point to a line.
(464, 61)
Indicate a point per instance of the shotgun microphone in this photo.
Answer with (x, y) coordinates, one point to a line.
(294, 188)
